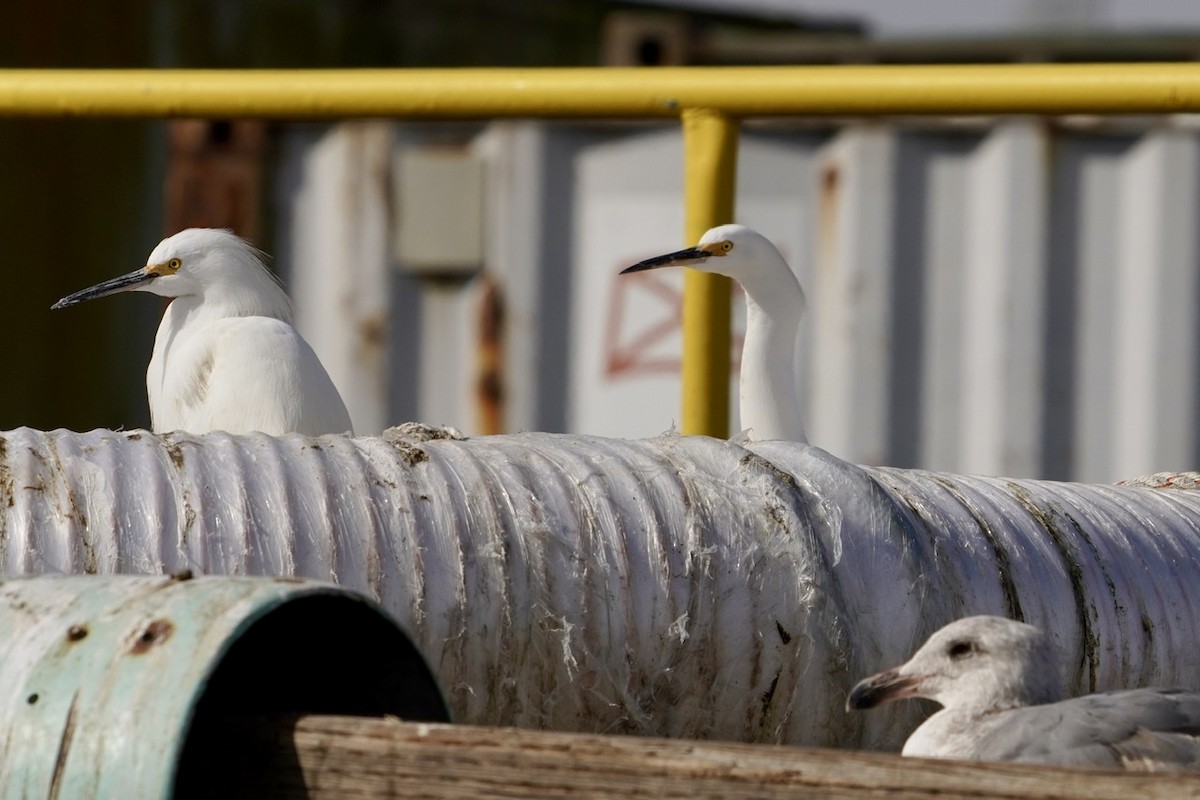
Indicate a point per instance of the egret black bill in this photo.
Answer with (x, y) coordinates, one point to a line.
(680, 258)
(122, 284)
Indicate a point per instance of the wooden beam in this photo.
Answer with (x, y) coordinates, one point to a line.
(357, 757)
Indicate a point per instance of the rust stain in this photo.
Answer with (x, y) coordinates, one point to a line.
(5, 472)
(64, 749)
(490, 390)
(372, 330)
(827, 215)
(157, 632)
(215, 175)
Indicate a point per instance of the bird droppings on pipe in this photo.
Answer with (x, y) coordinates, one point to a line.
(175, 453)
(157, 632)
(1183, 481)
(407, 437)
(1003, 569)
(1063, 542)
(77, 633)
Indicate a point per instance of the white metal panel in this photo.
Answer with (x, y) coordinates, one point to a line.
(1155, 321)
(514, 232)
(1097, 164)
(946, 159)
(336, 245)
(1006, 297)
(849, 350)
(446, 375)
(626, 207)
(1002, 303)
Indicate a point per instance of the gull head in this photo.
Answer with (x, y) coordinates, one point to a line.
(207, 263)
(731, 250)
(981, 663)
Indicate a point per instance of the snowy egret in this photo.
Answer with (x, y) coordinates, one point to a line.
(999, 682)
(226, 356)
(768, 395)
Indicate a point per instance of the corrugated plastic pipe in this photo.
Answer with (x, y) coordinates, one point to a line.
(679, 586)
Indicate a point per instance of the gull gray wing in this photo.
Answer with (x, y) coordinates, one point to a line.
(1137, 729)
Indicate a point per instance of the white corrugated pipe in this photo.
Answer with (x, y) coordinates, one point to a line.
(677, 586)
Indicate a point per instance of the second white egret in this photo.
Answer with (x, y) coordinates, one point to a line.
(226, 356)
(768, 393)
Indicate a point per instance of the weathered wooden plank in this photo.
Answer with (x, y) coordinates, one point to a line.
(355, 757)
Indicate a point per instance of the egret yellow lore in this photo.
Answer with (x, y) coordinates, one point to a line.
(226, 356)
(768, 395)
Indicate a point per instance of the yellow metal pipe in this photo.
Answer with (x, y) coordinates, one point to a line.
(710, 141)
(605, 92)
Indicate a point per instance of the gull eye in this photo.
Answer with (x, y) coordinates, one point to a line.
(174, 264)
(960, 649)
(726, 246)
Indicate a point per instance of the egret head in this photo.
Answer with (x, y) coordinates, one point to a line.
(199, 262)
(988, 663)
(731, 250)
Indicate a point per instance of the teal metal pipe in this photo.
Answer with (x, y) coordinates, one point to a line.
(108, 683)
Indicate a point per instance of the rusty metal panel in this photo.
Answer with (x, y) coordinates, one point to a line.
(215, 175)
(105, 682)
(678, 586)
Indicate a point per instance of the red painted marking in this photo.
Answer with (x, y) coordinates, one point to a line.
(628, 342)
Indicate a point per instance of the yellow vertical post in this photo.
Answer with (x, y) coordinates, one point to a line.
(710, 141)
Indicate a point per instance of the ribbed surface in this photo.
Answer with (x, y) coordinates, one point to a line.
(675, 586)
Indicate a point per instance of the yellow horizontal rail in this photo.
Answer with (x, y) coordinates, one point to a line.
(721, 95)
(605, 92)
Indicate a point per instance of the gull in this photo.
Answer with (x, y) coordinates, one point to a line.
(768, 397)
(1000, 687)
(226, 356)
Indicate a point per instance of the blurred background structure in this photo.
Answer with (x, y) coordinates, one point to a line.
(1007, 296)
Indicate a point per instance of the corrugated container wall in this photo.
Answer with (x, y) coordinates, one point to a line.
(1011, 297)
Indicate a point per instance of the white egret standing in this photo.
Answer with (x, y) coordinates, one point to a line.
(768, 396)
(1000, 686)
(226, 356)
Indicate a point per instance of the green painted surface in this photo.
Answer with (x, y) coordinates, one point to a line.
(101, 678)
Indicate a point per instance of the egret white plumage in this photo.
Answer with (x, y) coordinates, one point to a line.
(1000, 686)
(768, 395)
(226, 356)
